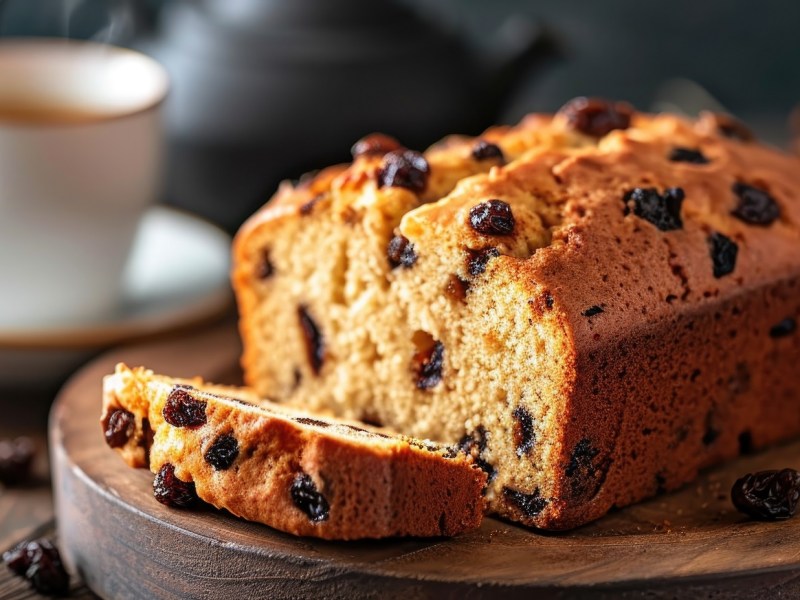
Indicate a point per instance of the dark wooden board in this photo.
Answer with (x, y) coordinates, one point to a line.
(687, 544)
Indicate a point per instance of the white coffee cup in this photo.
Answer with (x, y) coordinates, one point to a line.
(80, 151)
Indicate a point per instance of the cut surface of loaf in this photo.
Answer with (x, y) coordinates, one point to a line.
(297, 472)
(594, 304)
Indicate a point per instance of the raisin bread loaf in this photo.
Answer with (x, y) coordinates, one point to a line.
(302, 474)
(595, 304)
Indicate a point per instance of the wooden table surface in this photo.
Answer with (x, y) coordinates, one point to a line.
(26, 511)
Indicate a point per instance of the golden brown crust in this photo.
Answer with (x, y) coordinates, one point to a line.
(373, 484)
(630, 351)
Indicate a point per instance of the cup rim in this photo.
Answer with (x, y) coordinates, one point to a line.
(61, 45)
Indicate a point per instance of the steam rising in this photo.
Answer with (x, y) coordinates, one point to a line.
(101, 21)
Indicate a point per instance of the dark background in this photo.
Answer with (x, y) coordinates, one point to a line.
(686, 55)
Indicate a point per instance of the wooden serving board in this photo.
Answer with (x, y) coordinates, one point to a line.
(125, 545)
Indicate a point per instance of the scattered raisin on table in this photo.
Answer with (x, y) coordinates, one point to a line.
(40, 563)
(171, 491)
(493, 217)
(16, 458)
(688, 155)
(756, 206)
(374, 144)
(483, 150)
(663, 211)
(767, 495)
(307, 498)
(404, 168)
(119, 427)
(400, 252)
(222, 452)
(184, 410)
(596, 117)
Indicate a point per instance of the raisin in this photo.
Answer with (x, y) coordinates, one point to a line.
(40, 563)
(474, 444)
(306, 179)
(478, 259)
(731, 128)
(662, 211)
(222, 452)
(756, 206)
(746, 442)
(374, 144)
(767, 495)
(710, 436)
(688, 155)
(119, 427)
(297, 378)
(310, 421)
(16, 459)
(582, 457)
(264, 268)
(529, 504)
(146, 440)
(183, 410)
(783, 328)
(493, 217)
(661, 483)
(370, 417)
(592, 311)
(483, 150)
(404, 168)
(596, 117)
(456, 288)
(586, 472)
(171, 491)
(308, 207)
(401, 252)
(723, 252)
(315, 345)
(524, 435)
(307, 498)
(548, 300)
(427, 366)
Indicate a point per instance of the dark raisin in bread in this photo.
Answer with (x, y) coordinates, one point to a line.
(300, 473)
(594, 304)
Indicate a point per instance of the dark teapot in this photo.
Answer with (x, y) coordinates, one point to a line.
(264, 90)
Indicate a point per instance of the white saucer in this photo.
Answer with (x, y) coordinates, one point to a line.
(177, 277)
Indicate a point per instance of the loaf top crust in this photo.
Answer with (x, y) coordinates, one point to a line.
(581, 243)
(298, 472)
